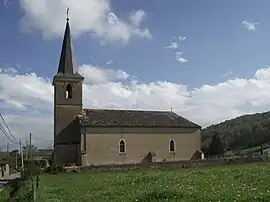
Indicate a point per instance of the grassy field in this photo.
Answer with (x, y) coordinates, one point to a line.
(232, 183)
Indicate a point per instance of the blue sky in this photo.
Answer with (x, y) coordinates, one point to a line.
(216, 42)
(122, 50)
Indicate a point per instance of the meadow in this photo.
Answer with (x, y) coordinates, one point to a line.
(232, 183)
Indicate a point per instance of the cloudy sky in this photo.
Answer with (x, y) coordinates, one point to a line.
(207, 60)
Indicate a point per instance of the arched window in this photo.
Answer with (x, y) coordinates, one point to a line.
(122, 146)
(68, 91)
(172, 146)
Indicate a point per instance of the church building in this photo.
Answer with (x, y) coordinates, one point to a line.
(111, 136)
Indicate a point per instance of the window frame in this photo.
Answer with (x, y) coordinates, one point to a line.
(68, 92)
(119, 146)
(174, 146)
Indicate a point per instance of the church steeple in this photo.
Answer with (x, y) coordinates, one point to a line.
(67, 105)
(66, 63)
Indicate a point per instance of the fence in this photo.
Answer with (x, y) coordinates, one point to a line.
(171, 164)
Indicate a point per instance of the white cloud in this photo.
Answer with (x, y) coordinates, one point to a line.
(263, 74)
(173, 45)
(182, 38)
(102, 43)
(137, 17)
(228, 73)
(109, 62)
(96, 75)
(8, 70)
(179, 57)
(26, 100)
(86, 16)
(251, 26)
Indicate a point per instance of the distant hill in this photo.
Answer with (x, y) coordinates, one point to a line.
(240, 133)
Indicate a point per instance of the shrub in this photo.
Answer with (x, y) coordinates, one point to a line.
(43, 163)
(31, 167)
(21, 189)
(229, 154)
(55, 169)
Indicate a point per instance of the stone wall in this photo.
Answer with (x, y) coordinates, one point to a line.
(172, 164)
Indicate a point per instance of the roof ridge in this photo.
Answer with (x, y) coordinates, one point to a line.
(138, 110)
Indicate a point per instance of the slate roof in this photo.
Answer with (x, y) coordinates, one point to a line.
(66, 63)
(134, 118)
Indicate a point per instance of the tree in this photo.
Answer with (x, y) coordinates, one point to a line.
(216, 146)
(240, 133)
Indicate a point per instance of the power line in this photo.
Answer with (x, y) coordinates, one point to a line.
(8, 128)
(41, 139)
(42, 142)
(6, 134)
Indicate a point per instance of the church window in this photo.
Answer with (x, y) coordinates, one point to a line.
(172, 146)
(68, 91)
(122, 146)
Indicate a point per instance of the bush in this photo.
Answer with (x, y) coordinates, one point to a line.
(19, 190)
(43, 163)
(216, 147)
(54, 169)
(228, 154)
(31, 167)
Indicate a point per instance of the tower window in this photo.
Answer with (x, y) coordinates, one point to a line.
(122, 146)
(68, 91)
(172, 146)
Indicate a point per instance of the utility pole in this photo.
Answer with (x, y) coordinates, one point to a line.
(21, 152)
(26, 150)
(8, 153)
(7, 147)
(16, 159)
(30, 146)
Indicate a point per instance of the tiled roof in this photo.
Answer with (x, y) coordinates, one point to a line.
(134, 118)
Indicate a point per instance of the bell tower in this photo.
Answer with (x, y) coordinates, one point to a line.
(67, 105)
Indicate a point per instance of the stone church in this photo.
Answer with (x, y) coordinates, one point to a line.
(112, 136)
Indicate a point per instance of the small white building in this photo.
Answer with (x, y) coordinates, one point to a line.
(4, 170)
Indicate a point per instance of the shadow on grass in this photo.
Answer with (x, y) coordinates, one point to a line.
(26, 197)
(9, 195)
(159, 196)
(19, 190)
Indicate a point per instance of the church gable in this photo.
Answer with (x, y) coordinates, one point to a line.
(134, 118)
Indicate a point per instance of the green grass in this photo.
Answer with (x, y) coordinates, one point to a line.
(23, 193)
(233, 183)
(250, 150)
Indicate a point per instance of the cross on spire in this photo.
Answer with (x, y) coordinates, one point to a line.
(67, 13)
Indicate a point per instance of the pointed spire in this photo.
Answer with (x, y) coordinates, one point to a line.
(66, 64)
